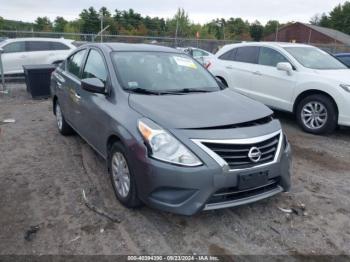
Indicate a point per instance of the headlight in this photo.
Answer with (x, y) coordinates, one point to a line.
(164, 146)
(345, 87)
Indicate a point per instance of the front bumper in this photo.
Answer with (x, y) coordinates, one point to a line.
(188, 190)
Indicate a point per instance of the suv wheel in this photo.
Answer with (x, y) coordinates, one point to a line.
(317, 114)
(122, 177)
(62, 125)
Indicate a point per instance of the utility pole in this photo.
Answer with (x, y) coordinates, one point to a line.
(276, 37)
(101, 28)
(223, 29)
(222, 24)
(177, 28)
(2, 71)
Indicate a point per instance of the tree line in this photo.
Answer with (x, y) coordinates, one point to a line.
(129, 22)
(338, 18)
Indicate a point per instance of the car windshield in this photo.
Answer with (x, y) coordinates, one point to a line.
(152, 72)
(314, 58)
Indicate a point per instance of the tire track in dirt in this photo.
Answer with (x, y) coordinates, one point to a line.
(135, 230)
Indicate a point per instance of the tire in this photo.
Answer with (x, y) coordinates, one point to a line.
(128, 197)
(322, 112)
(63, 127)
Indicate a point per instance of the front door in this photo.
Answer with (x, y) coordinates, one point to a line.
(270, 85)
(93, 121)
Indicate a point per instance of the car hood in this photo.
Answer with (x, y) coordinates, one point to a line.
(340, 75)
(199, 110)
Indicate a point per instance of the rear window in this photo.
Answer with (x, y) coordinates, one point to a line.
(14, 47)
(58, 46)
(247, 54)
(38, 46)
(229, 56)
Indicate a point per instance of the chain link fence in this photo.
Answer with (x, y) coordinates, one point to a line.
(210, 45)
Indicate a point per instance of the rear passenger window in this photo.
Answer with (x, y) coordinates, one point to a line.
(229, 56)
(14, 47)
(95, 66)
(74, 62)
(33, 46)
(58, 46)
(247, 54)
(270, 57)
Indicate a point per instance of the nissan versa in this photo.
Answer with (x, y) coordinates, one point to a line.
(173, 137)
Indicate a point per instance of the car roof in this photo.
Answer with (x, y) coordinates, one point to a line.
(342, 54)
(9, 40)
(259, 44)
(135, 47)
(275, 44)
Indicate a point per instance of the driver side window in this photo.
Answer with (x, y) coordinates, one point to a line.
(95, 66)
(270, 57)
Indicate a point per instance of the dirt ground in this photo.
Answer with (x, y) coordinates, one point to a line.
(42, 175)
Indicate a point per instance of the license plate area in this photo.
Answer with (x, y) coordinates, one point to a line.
(252, 180)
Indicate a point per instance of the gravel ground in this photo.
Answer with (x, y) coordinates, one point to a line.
(42, 175)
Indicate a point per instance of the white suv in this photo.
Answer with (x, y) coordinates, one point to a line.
(292, 77)
(30, 51)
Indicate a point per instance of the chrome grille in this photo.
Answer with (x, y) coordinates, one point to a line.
(236, 154)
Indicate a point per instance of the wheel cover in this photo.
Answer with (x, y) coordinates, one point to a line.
(121, 174)
(314, 115)
(59, 117)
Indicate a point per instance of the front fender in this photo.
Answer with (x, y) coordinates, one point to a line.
(317, 87)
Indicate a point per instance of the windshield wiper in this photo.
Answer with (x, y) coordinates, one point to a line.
(167, 92)
(189, 90)
(145, 91)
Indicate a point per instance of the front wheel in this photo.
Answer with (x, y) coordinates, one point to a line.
(317, 114)
(122, 177)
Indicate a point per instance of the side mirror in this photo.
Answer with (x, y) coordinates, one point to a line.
(1, 50)
(220, 83)
(284, 66)
(93, 85)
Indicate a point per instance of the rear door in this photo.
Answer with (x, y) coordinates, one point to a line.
(14, 57)
(93, 121)
(38, 52)
(240, 66)
(270, 85)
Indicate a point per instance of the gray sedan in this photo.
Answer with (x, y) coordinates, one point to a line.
(172, 135)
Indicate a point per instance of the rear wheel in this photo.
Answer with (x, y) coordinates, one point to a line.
(122, 177)
(317, 114)
(62, 125)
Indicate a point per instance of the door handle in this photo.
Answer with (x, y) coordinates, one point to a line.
(23, 56)
(229, 67)
(257, 73)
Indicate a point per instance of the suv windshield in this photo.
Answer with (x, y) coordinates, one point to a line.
(314, 58)
(162, 72)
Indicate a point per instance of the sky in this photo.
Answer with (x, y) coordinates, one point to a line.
(200, 11)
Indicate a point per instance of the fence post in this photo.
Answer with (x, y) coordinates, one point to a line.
(2, 72)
